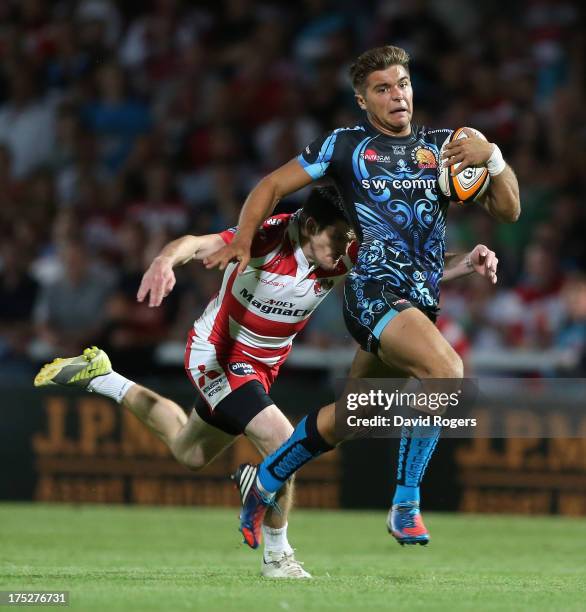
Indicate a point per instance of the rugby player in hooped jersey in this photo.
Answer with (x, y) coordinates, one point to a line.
(236, 347)
(386, 171)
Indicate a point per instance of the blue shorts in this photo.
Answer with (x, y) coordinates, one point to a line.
(368, 307)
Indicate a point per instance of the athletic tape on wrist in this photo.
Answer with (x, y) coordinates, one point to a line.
(496, 162)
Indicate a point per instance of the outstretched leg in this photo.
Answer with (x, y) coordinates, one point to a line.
(193, 442)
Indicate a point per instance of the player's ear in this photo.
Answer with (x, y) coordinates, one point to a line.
(310, 226)
(360, 99)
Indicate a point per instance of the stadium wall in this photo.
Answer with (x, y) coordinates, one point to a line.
(62, 446)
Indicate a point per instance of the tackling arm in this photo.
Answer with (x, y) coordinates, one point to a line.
(186, 248)
(159, 279)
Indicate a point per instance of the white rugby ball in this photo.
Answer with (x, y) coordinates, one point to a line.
(471, 183)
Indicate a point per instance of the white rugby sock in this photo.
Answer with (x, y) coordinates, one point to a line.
(111, 385)
(276, 539)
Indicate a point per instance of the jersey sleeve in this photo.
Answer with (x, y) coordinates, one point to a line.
(267, 237)
(316, 158)
(349, 260)
(228, 235)
(353, 251)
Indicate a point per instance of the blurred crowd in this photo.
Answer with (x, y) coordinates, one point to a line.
(126, 124)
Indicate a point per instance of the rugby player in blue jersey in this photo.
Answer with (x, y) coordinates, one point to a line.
(386, 170)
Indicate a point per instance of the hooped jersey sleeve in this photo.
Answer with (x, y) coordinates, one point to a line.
(353, 251)
(267, 237)
(228, 234)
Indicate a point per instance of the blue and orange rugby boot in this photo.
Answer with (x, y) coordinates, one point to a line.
(405, 524)
(255, 503)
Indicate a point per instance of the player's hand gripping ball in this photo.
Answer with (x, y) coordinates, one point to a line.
(460, 181)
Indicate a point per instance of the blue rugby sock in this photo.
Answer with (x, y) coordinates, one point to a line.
(417, 446)
(305, 444)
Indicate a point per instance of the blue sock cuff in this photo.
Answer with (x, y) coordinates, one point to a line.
(315, 442)
(405, 494)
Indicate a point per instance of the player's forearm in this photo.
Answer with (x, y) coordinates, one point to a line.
(457, 265)
(503, 201)
(180, 251)
(265, 196)
(259, 204)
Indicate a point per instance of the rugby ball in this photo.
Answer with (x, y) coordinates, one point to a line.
(471, 183)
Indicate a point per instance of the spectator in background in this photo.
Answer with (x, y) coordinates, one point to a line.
(279, 140)
(572, 334)
(195, 288)
(328, 94)
(9, 190)
(216, 158)
(568, 221)
(18, 293)
(160, 206)
(98, 23)
(115, 117)
(168, 97)
(70, 311)
(258, 90)
(133, 329)
(84, 168)
(532, 310)
(27, 123)
(67, 130)
(479, 312)
(454, 333)
(69, 63)
(37, 202)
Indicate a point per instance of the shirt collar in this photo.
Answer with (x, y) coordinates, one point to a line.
(411, 138)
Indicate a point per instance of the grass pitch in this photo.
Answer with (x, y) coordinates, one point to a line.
(135, 558)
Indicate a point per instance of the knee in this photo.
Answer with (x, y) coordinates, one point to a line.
(193, 460)
(270, 442)
(192, 463)
(446, 364)
(327, 430)
(453, 366)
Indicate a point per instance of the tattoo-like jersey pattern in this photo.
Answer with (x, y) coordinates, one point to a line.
(390, 191)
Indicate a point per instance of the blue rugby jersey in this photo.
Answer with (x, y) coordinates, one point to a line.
(390, 191)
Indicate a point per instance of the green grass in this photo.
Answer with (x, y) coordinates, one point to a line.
(135, 558)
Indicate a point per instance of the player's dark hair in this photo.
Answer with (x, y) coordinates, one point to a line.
(379, 58)
(325, 206)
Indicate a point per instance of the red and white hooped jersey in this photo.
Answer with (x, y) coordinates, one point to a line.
(255, 316)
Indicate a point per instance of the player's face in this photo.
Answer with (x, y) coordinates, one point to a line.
(328, 246)
(388, 100)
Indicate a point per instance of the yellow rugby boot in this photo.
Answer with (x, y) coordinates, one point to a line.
(74, 371)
